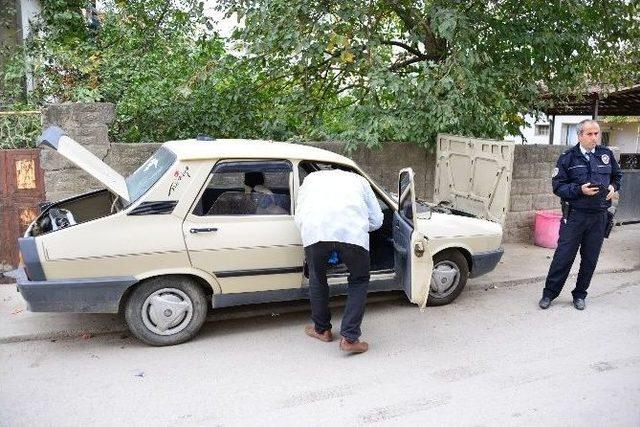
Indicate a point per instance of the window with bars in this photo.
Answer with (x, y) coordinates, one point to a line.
(541, 130)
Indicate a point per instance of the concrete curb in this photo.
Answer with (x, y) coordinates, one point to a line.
(116, 325)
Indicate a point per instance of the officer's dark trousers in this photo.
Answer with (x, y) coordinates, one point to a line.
(356, 258)
(582, 230)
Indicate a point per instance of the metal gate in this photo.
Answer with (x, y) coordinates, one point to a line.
(629, 204)
(21, 190)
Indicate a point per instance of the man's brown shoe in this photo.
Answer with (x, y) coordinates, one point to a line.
(353, 347)
(326, 336)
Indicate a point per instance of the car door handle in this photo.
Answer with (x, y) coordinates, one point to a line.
(203, 230)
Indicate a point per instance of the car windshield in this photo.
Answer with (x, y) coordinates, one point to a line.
(148, 174)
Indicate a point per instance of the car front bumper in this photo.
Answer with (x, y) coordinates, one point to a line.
(484, 262)
(86, 295)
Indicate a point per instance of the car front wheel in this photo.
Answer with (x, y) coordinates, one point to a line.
(448, 278)
(166, 310)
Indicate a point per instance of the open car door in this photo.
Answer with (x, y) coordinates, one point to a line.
(412, 259)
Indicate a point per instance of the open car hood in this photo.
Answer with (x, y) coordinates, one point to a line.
(57, 139)
(474, 175)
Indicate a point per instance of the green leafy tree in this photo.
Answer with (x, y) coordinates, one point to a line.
(160, 62)
(364, 72)
(398, 70)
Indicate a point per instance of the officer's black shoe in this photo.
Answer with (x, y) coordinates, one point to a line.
(544, 303)
(579, 303)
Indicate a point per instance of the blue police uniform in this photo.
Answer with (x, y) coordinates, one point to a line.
(584, 225)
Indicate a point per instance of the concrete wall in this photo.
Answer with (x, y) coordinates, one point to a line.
(530, 189)
(384, 164)
(88, 123)
(625, 136)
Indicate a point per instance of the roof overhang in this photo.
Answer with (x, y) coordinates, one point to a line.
(622, 102)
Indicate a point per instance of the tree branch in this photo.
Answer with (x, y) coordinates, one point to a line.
(401, 64)
(405, 46)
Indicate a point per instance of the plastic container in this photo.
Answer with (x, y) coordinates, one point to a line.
(547, 228)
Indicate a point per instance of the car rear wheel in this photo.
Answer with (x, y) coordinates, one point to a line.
(166, 310)
(448, 278)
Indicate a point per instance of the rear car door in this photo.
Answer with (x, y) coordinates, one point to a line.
(413, 262)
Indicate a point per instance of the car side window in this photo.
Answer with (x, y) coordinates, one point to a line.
(405, 206)
(247, 188)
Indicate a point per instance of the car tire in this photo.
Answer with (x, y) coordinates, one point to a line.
(166, 310)
(449, 277)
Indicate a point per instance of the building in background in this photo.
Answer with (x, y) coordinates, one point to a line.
(617, 131)
(618, 113)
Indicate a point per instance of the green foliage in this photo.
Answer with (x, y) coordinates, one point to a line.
(413, 69)
(161, 64)
(19, 129)
(361, 71)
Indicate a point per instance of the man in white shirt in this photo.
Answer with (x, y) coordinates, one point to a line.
(335, 211)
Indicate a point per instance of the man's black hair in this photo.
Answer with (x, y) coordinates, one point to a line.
(251, 179)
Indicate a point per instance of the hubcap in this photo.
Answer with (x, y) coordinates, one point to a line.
(444, 279)
(167, 311)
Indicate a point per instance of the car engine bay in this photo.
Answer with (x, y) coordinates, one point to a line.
(75, 210)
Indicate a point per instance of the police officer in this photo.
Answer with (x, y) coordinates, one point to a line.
(585, 178)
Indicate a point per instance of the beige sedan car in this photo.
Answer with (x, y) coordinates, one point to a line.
(209, 223)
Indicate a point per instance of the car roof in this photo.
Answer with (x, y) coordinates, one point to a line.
(192, 149)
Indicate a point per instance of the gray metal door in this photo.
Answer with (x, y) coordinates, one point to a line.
(629, 204)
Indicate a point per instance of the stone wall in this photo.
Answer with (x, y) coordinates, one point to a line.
(88, 123)
(530, 189)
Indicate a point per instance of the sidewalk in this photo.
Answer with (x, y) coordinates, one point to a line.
(521, 264)
(524, 263)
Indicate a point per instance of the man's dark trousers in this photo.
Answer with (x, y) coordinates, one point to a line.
(586, 231)
(356, 258)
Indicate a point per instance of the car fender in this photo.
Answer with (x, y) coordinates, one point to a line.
(187, 271)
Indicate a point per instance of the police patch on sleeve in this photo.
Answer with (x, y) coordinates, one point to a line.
(605, 159)
(555, 172)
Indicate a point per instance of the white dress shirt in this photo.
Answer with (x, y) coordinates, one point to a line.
(337, 206)
(586, 153)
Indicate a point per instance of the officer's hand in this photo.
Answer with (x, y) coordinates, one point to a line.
(611, 192)
(587, 191)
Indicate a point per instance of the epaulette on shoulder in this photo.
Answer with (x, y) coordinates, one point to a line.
(602, 147)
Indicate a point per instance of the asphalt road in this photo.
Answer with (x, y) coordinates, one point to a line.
(491, 358)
